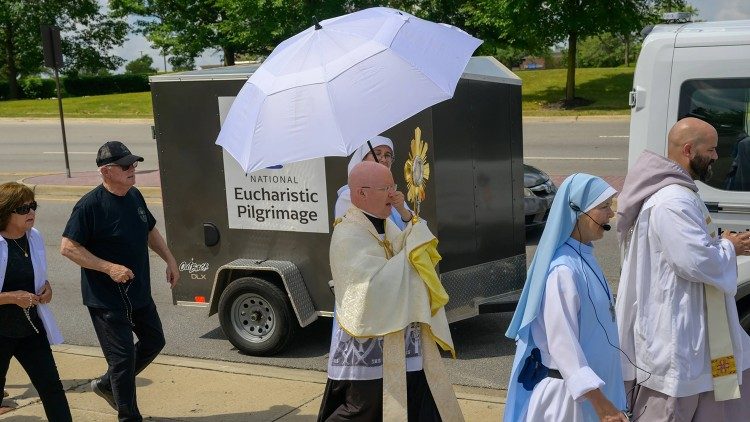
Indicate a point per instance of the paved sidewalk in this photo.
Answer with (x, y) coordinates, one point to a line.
(184, 389)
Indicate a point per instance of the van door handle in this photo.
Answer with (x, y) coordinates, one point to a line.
(713, 207)
(734, 208)
(727, 208)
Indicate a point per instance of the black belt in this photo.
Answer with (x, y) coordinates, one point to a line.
(554, 373)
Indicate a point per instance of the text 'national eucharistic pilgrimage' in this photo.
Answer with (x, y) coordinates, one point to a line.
(283, 198)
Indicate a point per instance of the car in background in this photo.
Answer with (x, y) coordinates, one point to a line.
(538, 193)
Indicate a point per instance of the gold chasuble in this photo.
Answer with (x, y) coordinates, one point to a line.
(383, 285)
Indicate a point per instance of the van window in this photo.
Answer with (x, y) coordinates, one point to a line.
(724, 104)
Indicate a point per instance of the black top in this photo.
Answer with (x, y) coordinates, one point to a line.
(18, 276)
(113, 228)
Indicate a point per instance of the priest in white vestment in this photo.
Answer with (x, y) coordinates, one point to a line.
(389, 315)
(676, 312)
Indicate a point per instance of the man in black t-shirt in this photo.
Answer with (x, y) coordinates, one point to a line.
(108, 235)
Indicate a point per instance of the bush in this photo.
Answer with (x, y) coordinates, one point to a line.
(110, 84)
(37, 88)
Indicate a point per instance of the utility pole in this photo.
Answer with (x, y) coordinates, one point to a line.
(53, 58)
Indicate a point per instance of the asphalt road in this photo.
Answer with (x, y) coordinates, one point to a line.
(484, 355)
(35, 146)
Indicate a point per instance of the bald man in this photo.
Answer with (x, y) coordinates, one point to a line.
(683, 344)
(389, 317)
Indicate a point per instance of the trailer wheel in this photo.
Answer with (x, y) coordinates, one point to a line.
(256, 316)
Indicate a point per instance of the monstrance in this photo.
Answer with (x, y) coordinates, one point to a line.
(416, 172)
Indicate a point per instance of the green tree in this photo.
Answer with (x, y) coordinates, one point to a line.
(251, 27)
(184, 29)
(605, 50)
(537, 24)
(658, 7)
(141, 65)
(87, 37)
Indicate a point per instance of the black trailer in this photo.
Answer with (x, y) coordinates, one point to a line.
(267, 280)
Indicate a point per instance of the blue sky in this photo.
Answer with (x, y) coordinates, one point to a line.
(709, 10)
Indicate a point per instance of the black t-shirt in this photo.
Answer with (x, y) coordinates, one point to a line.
(115, 229)
(19, 275)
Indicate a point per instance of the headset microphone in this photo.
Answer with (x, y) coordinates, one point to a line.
(576, 208)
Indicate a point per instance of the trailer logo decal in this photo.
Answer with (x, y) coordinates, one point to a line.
(193, 267)
(290, 198)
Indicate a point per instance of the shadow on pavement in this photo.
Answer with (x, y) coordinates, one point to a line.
(278, 412)
(482, 336)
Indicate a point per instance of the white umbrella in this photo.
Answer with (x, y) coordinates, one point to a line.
(328, 89)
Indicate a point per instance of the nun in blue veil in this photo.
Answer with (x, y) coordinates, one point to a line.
(567, 363)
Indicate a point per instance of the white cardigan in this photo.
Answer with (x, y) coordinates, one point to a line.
(39, 261)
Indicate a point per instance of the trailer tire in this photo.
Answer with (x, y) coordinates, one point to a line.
(256, 316)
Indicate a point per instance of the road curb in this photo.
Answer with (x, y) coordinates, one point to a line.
(573, 119)
(78, 120)
(151, 193)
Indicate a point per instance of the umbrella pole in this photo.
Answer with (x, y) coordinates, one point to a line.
(372, 150)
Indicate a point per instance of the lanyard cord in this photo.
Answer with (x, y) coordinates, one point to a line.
(630, 405)
(601, 283)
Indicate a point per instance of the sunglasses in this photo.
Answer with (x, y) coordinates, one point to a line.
(25, 208)
(124, 167)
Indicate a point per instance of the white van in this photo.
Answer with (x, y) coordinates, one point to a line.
(702, 70)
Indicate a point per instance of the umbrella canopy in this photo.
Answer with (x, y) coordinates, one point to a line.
(328, 89)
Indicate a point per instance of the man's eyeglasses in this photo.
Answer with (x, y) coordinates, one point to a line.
(25, 208)
(387, 189)
(124, 167)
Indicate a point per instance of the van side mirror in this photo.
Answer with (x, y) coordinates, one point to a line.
(211, 234)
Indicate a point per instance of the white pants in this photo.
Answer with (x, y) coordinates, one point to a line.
(551, 402)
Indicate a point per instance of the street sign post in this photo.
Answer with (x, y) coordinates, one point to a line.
(53, 58)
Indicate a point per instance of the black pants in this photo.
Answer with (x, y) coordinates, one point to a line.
(363, 400)
(35, 356)
(125, 359)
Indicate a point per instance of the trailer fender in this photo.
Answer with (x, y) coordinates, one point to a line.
(284, 273)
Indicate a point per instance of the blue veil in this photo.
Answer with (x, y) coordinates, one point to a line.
(584, 191)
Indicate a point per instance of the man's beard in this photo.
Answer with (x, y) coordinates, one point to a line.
(700, 166)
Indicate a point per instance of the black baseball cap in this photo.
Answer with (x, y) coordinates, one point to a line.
(115, 152)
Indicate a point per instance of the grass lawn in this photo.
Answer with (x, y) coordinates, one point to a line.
(126, 106)
(607, 87)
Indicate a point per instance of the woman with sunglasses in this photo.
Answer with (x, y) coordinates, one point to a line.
(27, 326)
(383, 147)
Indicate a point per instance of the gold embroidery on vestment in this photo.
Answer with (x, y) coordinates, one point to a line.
(723, 366)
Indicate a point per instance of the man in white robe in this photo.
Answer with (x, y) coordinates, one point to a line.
(676, 314)
(389, 315)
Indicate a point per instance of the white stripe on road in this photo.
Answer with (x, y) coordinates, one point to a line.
(614, 136)
(69, 152)
(575, 158)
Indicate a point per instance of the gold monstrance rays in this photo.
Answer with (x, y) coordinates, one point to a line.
(417, 172)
